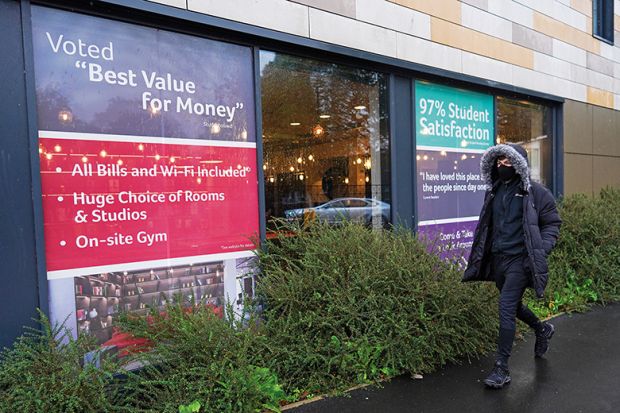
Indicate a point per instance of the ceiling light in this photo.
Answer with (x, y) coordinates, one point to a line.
(318, 130)
(360, 107)
(325, 116)
(295, 123)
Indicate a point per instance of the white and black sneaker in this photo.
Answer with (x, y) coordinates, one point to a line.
(543, 335)
(499, 377)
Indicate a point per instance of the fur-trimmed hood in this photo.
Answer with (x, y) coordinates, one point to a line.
(517, 156)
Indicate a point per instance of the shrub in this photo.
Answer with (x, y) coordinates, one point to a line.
(197, 359)
(44, 371)
(341, 306)
(350, 305)
(584, 268)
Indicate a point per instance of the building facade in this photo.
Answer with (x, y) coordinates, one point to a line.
(148, 144)
(546, 46)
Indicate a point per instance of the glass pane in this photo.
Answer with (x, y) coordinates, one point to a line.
(356, 203)
(325, 139)
(530, 125)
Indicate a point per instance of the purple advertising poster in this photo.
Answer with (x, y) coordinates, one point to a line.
(451, 240)
(453, 128)
(449, 185)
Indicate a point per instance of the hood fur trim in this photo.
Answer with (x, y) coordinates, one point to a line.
(487, 165)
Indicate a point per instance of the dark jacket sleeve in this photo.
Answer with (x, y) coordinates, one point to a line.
(548, 219)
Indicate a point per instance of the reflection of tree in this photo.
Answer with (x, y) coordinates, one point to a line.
(287, 96)
(528, 124)
(300, 90)
(124, 116)
(121, 116)
(306, 169)
(50, 103)
(520, 121)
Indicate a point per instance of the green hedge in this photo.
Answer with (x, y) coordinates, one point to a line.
(197, 356)
(340, 306)
(349, 305)
(44, 372)
(584, 268)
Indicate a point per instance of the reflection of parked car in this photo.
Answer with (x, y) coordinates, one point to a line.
(355, 209)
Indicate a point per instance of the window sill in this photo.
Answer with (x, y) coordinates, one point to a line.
(602, 39)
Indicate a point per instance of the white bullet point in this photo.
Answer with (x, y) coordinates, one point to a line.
(63, 243)
(60, 199)
(59, 169)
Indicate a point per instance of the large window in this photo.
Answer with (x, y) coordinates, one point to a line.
(326, 143)
(530, 125)
(603, 19)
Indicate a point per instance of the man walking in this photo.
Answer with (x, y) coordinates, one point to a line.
(518, 227)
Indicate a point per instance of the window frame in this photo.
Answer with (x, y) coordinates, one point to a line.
(603, 20)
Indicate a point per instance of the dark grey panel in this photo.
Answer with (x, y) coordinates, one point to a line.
(18, 272)
(403, 151)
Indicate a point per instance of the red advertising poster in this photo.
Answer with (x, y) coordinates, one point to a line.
(148, 166)
(108, 203)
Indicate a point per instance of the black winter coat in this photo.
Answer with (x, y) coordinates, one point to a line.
(541, 224)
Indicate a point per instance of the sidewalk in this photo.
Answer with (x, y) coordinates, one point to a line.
(580, 373)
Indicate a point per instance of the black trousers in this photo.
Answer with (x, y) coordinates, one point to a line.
(512, 277)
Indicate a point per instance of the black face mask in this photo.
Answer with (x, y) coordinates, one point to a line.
(506, 173)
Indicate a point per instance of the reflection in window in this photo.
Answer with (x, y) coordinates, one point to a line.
(326, 143)
(603, 20)
(530, 125)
